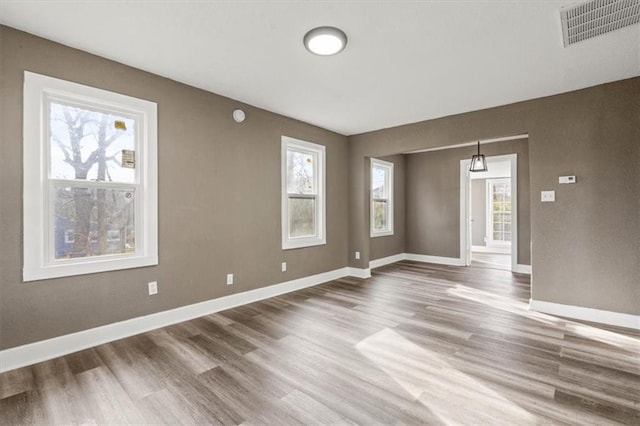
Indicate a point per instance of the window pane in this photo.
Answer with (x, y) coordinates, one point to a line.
(93, 222)
(88, 145)
(497, 236)
(379, 183)
(302, 217)
(507, 236)
(380, 215)
(300, 169)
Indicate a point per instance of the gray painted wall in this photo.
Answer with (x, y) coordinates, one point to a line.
(479, 212)
(393, 244)
(433, 199)
(220, 195)
(219, 200)
(585, 253)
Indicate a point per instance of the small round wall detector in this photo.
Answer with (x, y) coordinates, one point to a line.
(239, 115)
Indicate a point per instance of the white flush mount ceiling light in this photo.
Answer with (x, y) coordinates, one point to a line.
(325, 41)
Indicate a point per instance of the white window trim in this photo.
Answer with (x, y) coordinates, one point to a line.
(390, 204)
(39, 262)
(320, 238)
(489, 215)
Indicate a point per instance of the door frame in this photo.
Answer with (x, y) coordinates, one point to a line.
(465, 208)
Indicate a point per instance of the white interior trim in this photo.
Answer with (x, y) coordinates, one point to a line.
(474, 143)
(376, 263)
(465, 212)
(388, 167)
(586, 314)
(523, 269)
(320, 194)
(453, 261)
(33, 353)
(358, 272)
(38, 230)
(495, 250)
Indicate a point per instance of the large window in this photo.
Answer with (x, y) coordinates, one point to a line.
(381, 198)
(499, 214)
(303, 194)
(90, 192)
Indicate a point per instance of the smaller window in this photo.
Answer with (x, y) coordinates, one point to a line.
(381, 198)
(498, 212)
(303, 194)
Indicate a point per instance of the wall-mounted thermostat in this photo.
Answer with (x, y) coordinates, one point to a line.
(567, 179)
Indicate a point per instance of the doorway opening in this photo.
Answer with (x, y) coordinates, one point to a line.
(488, 214)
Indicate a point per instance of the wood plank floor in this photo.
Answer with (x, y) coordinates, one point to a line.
(415, 344)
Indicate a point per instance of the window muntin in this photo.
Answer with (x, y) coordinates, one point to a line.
(90, 173)
(381, 198)
(303, 211)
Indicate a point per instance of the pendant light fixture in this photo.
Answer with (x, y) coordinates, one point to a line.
(478, 162)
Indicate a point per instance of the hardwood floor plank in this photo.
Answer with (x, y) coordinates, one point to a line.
(308, 411)
(415, 344)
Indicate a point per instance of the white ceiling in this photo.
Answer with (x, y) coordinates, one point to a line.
(406, 61)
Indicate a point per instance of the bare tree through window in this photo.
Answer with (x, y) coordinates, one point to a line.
(91, 199)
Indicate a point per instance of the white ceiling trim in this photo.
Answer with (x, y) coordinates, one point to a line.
(474, 143)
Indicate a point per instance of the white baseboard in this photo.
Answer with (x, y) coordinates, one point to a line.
(358, 273)
(386, 260)
(586, 314)
(486, 249)
(33, 353)
(523, 269)
(452, 261)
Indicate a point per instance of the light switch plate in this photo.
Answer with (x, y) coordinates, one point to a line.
(229, 279)
(153, 288)
(284, 266)
(548, 196)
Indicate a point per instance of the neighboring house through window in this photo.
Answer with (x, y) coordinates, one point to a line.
(381, 198)
(90, 180)
(303, 194)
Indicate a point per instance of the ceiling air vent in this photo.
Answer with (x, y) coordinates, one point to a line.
(597, 17)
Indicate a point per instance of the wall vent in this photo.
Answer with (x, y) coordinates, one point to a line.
(597, 17)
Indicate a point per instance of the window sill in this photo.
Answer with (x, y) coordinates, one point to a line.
(381, 234)
(36, 273)
(293, 244)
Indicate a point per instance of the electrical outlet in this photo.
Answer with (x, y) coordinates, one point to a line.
(153, 288)
(357, 255)
(284, 266)
(229, 279)
(548, 196)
